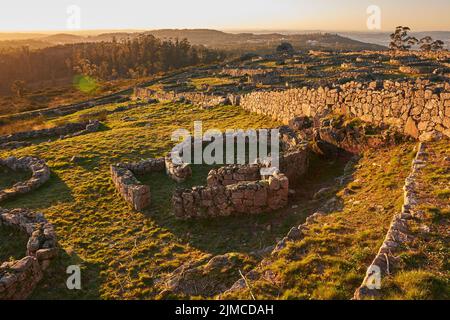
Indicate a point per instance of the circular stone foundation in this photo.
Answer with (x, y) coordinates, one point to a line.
(19, 277)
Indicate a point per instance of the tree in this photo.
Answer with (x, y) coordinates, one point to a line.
(437, 45)
(400, 40)
(285, 47)
(139, 56)
(427, 44)
(18, 87)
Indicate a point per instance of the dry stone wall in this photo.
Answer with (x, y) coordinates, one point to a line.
(137, 194)
(177, 172)
(18, 278)
(40, 174)
(294, 163)
(14, 140)
(203, 100)
(228, 175)
(240, 198)
(42, 133)
(398, 234)
(417, 109)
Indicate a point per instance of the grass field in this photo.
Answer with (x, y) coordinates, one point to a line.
(127, 254)
(123, 252)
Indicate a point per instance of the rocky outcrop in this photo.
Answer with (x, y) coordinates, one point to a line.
(398, 234)
(205, 279)
(40, 174)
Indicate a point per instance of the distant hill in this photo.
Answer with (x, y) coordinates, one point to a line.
(245, 41)
(210, 38)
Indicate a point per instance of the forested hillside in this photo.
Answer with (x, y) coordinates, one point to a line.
(131, 58)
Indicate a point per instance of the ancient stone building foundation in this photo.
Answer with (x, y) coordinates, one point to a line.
(136, 194)
(18, 278)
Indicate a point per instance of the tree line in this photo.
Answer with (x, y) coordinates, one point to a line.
(402, 41)
(130, 58)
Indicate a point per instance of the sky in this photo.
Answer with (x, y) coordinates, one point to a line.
(254, 15)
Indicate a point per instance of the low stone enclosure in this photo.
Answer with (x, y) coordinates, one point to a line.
(241, 189)
(265, 193)
(19, 277)
(137, 194)
(15, 140)
(40, 175)
(232, 189)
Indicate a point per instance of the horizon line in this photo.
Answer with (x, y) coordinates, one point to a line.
(229, 30)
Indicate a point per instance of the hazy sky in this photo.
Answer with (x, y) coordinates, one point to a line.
(27, 15)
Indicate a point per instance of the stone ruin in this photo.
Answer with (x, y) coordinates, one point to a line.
(205, 101)
(398, 235)
(40, 174)
(137, 194)
(228, 183)
(232, 189)
(419, 109)
(19, 139)
(241, 189)
(18, 278)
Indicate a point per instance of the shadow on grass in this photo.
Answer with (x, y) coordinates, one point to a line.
(53, 191)
(10, 177)
(53, 285)
(13, 243)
